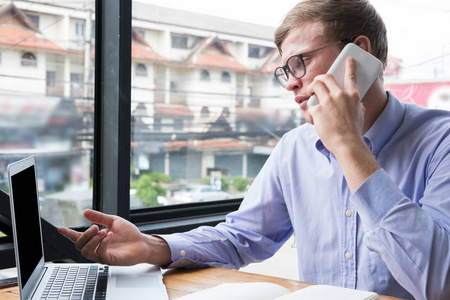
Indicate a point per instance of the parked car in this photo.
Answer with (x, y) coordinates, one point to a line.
(199, 193)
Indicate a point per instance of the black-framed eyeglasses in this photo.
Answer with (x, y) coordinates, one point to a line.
(295, 65)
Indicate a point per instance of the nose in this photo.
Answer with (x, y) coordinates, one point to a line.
(293, 84)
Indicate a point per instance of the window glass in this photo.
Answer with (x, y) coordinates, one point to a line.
(29, 60)
(195, 138)
(141, 70)
(179, 42)
(226, 77)
(204, 75)
(46, 101)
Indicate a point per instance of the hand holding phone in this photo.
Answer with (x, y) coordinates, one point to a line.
(368, 67)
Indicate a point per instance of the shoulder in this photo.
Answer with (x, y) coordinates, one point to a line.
(296, 142)
(425, 119)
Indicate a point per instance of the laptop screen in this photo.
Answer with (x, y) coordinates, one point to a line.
(28, 230)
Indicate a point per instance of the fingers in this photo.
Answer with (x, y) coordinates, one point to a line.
(102, 250)
(99, 218)
(350, 76)
(69, 233)
(326, 87)
(93, 243)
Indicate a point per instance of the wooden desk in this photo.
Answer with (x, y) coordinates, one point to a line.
(181, 282)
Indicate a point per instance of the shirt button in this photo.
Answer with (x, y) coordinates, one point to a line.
(183, 253)
(348, 255)
(348, 213)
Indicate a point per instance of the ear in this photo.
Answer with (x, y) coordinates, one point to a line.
(363, 42)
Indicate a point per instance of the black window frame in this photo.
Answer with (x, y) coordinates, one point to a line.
(111, 175)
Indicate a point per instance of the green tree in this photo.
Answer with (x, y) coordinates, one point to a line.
(240, 183)
(148, 187)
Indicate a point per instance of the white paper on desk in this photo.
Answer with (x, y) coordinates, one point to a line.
(271, 291)
(240, 291)
(326, 292)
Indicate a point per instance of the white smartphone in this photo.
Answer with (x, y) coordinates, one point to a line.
(368, 67)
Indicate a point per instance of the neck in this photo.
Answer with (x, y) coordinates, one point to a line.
(374, 101)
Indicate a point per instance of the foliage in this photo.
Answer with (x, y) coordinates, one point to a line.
(240, 183)
(148, 187)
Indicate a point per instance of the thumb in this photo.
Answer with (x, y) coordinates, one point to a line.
(98, 217)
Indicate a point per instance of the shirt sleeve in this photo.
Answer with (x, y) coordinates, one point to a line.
(247, 235)
(412, 238)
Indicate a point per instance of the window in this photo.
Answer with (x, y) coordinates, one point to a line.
(80, 29)
(204, 112)
(48, 108)
(254, 52)
(179, 42)
(29, 60)
(174, 85)
(76, 80)
(226, 77)
(204, 75)
(141, 70)
(51, 78)
(34, 19)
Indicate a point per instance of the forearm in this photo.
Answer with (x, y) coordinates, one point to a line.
(356, 161)
(413, 245)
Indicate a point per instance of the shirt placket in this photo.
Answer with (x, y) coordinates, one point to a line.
(348, 242)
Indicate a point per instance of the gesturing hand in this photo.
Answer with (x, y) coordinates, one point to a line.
(121, 243)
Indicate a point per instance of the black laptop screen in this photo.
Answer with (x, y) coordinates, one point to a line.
(28, 230)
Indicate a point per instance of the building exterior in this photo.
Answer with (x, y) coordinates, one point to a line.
(203, 96)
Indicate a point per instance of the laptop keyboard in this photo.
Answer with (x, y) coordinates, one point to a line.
(77, 283)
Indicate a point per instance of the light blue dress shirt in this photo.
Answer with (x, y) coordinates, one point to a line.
(392, 236)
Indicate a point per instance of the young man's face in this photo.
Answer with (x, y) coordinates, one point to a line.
(305, 38)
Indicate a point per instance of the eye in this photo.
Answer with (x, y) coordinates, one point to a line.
(295, 63)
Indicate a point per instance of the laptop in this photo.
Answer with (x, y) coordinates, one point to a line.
(40, 280)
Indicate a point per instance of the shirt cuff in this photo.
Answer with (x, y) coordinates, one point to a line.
(180, 254)
(375, 198)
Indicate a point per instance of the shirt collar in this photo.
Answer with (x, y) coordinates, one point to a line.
(381, 131)
(386, 125)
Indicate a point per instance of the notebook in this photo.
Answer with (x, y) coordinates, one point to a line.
(38, 280)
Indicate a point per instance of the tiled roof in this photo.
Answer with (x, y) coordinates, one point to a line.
(212, 53)
(215, 60)
(144, 53)
(19, 32)
(27, 40)
(211, 143)
(173, 110)
(141, 50)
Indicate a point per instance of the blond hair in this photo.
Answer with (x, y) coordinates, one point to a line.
(340, 19)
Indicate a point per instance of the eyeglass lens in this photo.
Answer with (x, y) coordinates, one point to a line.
(295, 67)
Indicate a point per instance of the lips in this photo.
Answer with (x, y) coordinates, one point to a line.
(301, 101)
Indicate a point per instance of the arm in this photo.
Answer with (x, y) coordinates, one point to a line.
(412, 240)
(247, 235)
(121, 243)
(339, 122)
(242, 239)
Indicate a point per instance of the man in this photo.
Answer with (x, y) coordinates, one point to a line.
(364, 186)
